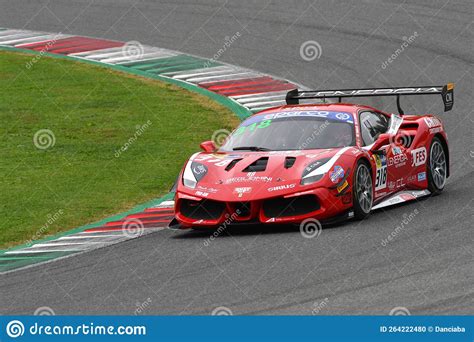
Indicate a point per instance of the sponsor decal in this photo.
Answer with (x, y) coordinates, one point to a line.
(421, 176)
(294, 112)
(407, 197)
(337, 174)
(202, 193)
(199, 169)
(282, 187)
(343, 116)
(391, 185)
(418, 156)
(411, 178)
(400, 183)
(207, 189)
(343, 186)
(436, 130)
(396, 150)
(432, 122)
(381, 171)
(397, 160)
(241, 191)
(250, 178)
(394, 200)
(380, 193)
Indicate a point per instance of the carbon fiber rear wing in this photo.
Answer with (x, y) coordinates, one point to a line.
(446, 91)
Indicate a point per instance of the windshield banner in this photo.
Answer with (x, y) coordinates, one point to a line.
(337, 116)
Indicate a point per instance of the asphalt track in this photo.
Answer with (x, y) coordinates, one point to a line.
(427, 268)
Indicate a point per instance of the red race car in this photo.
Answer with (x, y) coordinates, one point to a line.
(324, 161)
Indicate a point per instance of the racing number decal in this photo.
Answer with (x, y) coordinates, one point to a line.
(381, 179)
(381, 172)
(262, 124)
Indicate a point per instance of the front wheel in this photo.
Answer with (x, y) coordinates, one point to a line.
(362, 191)
(437, 167)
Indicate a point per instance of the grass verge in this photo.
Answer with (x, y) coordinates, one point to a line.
(83, 142)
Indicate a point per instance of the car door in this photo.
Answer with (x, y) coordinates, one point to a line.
(388, 174)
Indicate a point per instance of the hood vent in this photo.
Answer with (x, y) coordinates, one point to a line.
(289, 161)
(232, 164)
(257, 166)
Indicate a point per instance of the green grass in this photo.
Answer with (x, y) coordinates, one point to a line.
(92, 112)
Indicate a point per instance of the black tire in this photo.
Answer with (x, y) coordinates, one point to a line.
(434, 171)
(361, 211)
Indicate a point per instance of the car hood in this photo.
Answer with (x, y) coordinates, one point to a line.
(242, 176)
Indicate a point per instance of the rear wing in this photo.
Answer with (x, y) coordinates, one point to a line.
(446, 91)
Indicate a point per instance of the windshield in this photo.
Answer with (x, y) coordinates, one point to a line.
(297, 130)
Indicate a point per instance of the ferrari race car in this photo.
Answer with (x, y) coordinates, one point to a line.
(324, 161)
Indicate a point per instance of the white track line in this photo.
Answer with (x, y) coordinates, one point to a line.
(227, 77)
(261, 98)
(76, 237)
(265, 104)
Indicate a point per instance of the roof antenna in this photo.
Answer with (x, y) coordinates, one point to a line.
(400, 110)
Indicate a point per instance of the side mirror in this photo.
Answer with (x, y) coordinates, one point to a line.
(383, 139)
(208, 146)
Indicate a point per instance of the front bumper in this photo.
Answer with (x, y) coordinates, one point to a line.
(320, 203)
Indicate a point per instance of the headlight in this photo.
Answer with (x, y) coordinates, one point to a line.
(193, 173)
(311, 174)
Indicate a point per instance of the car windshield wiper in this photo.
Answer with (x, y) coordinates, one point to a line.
(250, 148)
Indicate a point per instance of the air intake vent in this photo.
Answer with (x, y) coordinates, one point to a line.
(232, 164)
(289, 161)
(409, 125)
(257, 166)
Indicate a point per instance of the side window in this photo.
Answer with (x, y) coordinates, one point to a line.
(372, 125)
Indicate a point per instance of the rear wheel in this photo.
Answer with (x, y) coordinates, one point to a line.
(436, 167)
(362, 191)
